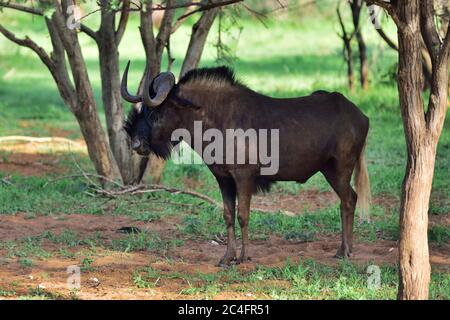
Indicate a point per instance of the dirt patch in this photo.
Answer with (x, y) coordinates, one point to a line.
(30, 164)
(114, 270)
(305, 200)
(441, 220)
(192, 183)
(15, 227)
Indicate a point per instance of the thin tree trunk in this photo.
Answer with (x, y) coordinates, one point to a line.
(413, 249)
(154, 48)
(356, 7)
(349, 58)
(84, 109)
(108, 42)
(347, 50)
(364, 65)
(199, 34)
(422, 131)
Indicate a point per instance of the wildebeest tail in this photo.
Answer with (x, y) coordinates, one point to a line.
(362, 186)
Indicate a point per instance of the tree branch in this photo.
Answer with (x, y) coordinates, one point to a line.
(19, 7)
(179, 22)
(445, 51)
(165, 29)
(386, 38)
(389, 6)
(125, 13)
(204, 7)
(27, 42)
(38, 12)
(148, 39)
(428, 29)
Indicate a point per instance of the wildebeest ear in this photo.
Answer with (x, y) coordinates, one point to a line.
(183, 103)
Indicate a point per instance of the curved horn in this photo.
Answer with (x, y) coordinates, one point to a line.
(162, 85)
(123, 88)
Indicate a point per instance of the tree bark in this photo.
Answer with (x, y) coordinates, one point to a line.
(85, 109)
(108, 40)
(347, 50)
(154, 48)
(199, 34)
(356, 7)
(114, 158)
(422, 131)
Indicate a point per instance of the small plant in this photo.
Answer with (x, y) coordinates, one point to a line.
(86, 264)
(439, 234)
(25, 262)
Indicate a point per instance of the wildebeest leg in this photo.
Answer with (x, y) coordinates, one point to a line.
(244, 186)
(339, 176)
(228, 190)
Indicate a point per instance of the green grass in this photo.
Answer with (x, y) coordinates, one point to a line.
(142, 241)
(303, 280)
(289, 58)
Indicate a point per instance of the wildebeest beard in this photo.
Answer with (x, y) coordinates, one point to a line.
(141, 124)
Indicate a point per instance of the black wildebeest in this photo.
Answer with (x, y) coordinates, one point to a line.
(322, 132)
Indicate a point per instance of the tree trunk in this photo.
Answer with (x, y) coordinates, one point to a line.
(413, 249)
(129, 163)
(84, 109)
(154, 47)
(422, 131)
(415, 267)
(199, 34)
(356, 7)
(364, 65)
(347, 49)
(349, 58)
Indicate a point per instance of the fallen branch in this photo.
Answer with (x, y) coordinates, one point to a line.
(154, 188)
(83, 175)
(146, 189)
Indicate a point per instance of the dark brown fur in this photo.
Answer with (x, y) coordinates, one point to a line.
(323, 132)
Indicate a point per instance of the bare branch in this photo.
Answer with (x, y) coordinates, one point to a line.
(179, 22)
(19, 7)
(389, 6)
(27, 42)
(204, 7)
(386, 38)
(445, 53)
(429, 30)
(165, 29)
(125, 13)
(199, 34)
(38, 12)
(91, 33)
(170, 59)
(148, 38)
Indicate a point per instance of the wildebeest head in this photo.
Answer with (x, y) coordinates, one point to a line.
(154, 113)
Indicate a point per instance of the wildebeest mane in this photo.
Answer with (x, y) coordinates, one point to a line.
(130, 121)
(217, 76)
